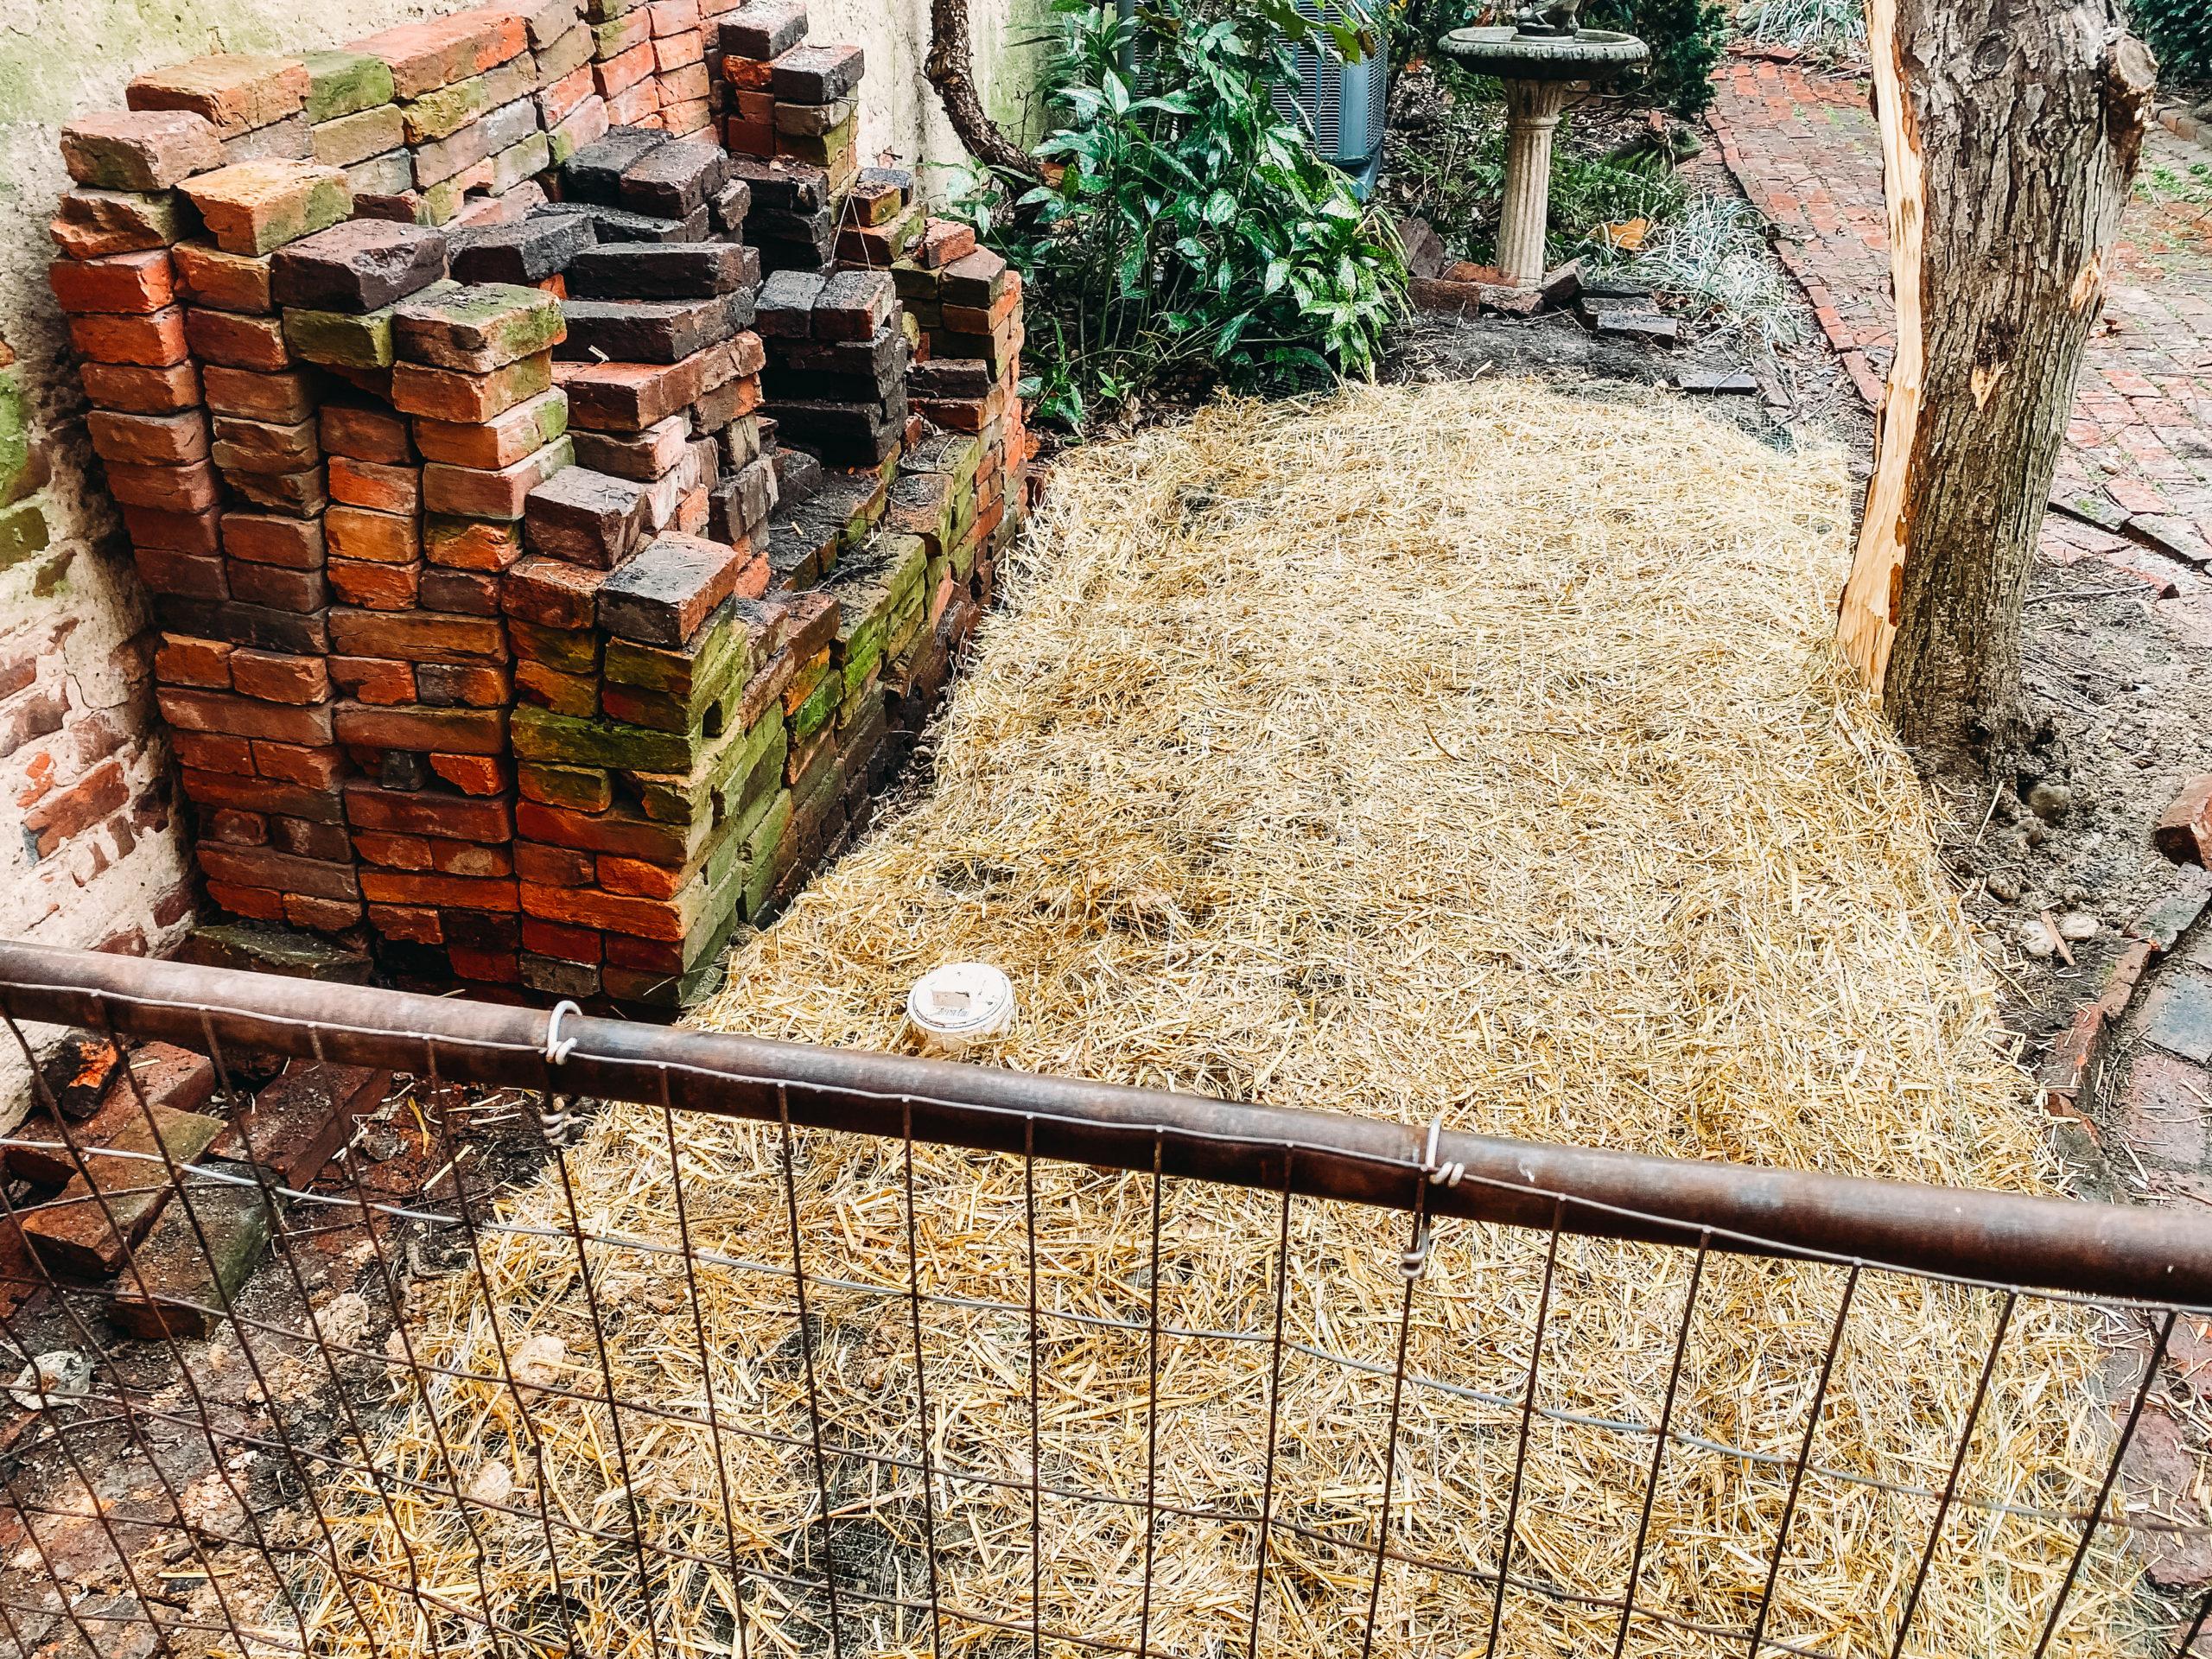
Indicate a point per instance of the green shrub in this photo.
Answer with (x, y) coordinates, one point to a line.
(1193, 234)
(1451, 172)
(1686, 38)
(2180, 32)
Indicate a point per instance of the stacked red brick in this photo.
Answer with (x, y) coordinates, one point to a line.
(427, 671)
(242, 680)
(772, 79)
(649, 61)
(967, 301)
(342, 547)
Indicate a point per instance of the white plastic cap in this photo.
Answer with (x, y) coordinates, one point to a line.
(960, 1004)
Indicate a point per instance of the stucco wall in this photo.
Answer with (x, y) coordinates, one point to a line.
(90, 849)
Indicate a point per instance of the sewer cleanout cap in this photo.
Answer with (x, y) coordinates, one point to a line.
(959, 1005)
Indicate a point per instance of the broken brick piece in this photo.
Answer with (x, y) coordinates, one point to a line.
(174, 1079)
(2183, 832)
(358, 266)
(72, 1233)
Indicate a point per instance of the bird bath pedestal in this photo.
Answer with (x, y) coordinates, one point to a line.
(1539, 63)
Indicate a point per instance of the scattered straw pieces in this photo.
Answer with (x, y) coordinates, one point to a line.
(1467, 749)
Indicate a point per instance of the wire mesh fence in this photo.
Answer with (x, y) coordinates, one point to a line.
(669, 1344)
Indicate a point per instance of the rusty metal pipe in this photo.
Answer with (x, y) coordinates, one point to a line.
(1989, 1237)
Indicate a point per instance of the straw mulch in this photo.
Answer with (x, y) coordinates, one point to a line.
(1465, 749)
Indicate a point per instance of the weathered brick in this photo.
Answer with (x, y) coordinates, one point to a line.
(284, 396)
(474, 774)
(477, 328)
(260, 538)
(272, 589)
(523, 253)
(660, 597)
(154, 341)
(189, 488)
(92, 224)
(358, 266)
(342, 339)
(213, 711)
(365, 432)
(243, 446)
(509, 437)
(232, 341)
(154, 529)
(236, 92)
(551, 593)
(439, 50)
(642, 331)
(628, 396)
(374, 679)
(183, 660)
(374, 484)
(209, 278)
(254, 207)
(275, 678)
(641, 456)
(763, 30)
(453, 395)
(374, 587)
(302, 493)
(139, 150)
(148, 440)
(471, 543)
(132, 283)
(419, 638)
(585, 517)
(137, 390)
(448, 731)
(351, 140)
(345, 82)
(474, 492)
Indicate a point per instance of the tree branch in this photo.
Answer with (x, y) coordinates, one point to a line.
(950, 69)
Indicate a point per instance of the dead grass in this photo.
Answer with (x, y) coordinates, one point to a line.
(1465, 749)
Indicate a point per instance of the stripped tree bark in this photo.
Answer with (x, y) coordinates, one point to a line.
(2011, 132)
(950, 67)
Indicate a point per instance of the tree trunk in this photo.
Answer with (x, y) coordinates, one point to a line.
(2011, 131)
(950, 67)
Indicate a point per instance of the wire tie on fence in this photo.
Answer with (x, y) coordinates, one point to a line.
(557, 1047)
(1415, 1260)
(1439, 1174)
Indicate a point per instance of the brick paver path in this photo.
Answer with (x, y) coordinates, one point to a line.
(1802, 146)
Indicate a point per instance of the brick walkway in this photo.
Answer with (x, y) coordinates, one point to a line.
(1804, 148)
(2135, 491)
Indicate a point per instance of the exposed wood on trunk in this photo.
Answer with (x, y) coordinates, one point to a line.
(2011, 131)
(950, 67)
